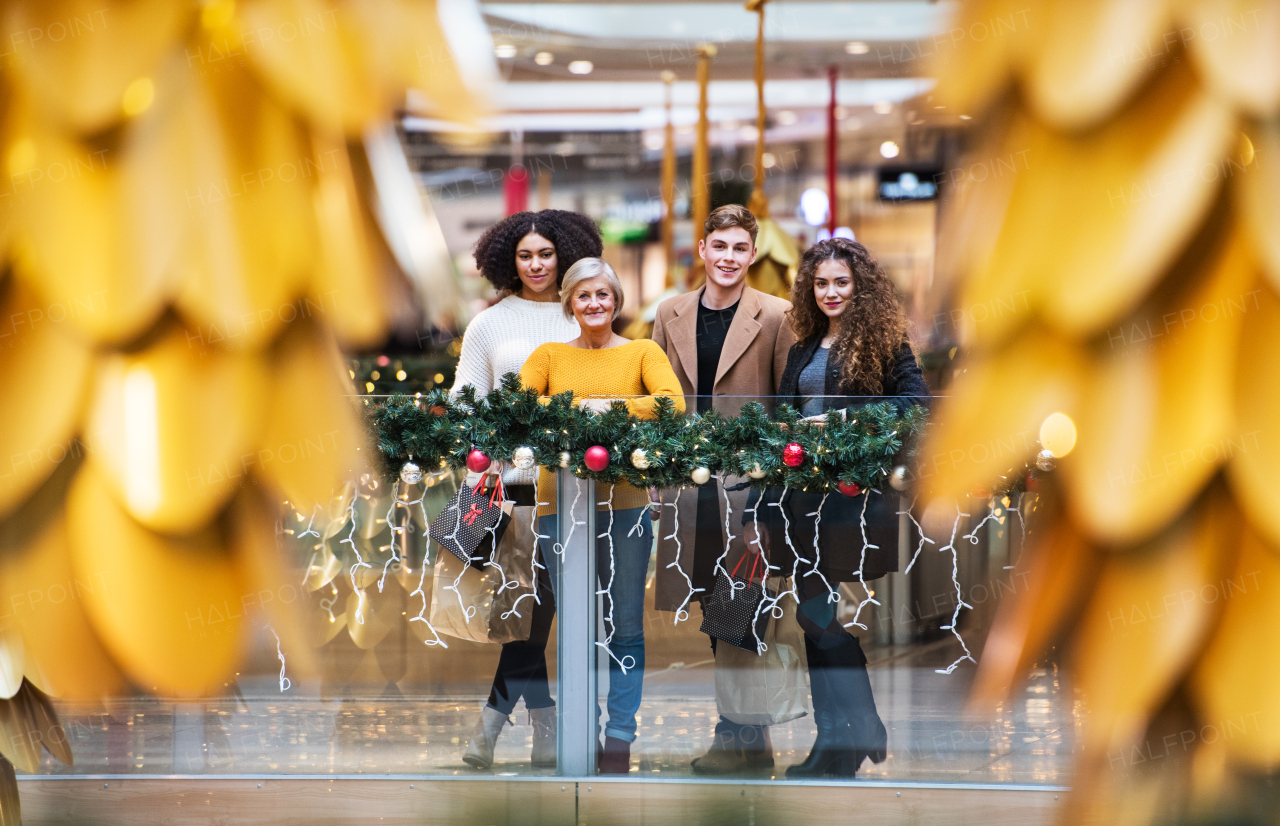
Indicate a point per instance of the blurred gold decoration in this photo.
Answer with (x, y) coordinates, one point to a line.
(1126, 264)
(700, 172)
(777, 253)
(759, 203)
(777, 260)
(190, 243)
(669, 185)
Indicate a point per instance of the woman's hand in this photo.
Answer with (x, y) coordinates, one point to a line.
(597, 405)
(821, 418)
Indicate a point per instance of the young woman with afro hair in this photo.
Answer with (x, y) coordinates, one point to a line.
(525, 257)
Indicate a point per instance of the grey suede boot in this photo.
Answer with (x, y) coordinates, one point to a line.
(479, 753)
(543, 721)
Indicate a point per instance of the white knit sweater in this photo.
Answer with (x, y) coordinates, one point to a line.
(499, 341)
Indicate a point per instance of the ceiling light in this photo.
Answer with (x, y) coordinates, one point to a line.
(813, 206)
(580, 67)
(504, 50)
(856, 47)
(769, 160)
(544, 58)
(786, 117)
(654, 140)
(882, 107)
(888, 149)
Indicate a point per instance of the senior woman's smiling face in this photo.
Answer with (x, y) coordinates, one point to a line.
(593, 302)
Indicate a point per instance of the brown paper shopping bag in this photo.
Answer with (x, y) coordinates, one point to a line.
(769, 688)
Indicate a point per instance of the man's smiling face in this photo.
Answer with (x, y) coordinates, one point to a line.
(727, 253)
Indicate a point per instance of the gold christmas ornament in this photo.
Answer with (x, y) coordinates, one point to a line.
(185, 291)
(1146, 315)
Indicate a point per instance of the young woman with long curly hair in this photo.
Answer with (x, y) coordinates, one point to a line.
(525, 257)
(851, 350)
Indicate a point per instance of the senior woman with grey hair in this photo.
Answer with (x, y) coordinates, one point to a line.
(600, 367)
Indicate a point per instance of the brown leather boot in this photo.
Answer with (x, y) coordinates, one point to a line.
(758, 755)
(616, 757)
(725, 755)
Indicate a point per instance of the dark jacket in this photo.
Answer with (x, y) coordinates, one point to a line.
(903, 383)
(840, 544)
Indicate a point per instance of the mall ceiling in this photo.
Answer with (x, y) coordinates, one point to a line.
(638, 40)
(885, 52)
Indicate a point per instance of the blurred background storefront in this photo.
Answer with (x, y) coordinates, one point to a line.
(580, 125)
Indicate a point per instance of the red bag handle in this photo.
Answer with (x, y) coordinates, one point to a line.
(759, 557)
(497, 494)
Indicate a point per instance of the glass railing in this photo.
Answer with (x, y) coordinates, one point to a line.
(851, 616)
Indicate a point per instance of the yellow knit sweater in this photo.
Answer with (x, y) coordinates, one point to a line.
(637, 371)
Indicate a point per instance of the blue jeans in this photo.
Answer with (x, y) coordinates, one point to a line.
(626, 601)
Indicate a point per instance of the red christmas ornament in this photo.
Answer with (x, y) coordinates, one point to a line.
(597, 458)
(477, 462)
(793, 455)
(849, 488)
(1033, 483)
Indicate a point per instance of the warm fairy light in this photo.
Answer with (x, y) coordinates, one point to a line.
(581, 67)
(141, 440)
(22, 156)
(544, 58)
(1058, 434)
(138, 96)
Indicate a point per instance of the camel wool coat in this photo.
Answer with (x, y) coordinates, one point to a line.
(750, 369)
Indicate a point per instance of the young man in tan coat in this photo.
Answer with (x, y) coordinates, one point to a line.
(728, 344)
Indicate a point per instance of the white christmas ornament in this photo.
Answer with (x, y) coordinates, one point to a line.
(410, 473)
(898, 478)
(1044, 460)
(700, 476)
(756, 471)
(522, 458)
(640, 459)
(564, 458)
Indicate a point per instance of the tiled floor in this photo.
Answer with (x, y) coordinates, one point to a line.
(260, 731)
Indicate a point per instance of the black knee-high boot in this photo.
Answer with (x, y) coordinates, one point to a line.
(849, 728)
(850, 687)
(832, 750)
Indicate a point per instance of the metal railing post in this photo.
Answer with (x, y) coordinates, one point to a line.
(576, 674)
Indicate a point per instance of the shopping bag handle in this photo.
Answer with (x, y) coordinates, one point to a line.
(759, 557)
(497, 494)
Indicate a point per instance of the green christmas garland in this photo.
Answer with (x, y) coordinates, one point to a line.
(434, 430)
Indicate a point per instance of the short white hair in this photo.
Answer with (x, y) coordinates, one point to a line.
(584, 269)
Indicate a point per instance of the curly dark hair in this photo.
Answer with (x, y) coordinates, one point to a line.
(574, 236)
(873, 326)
